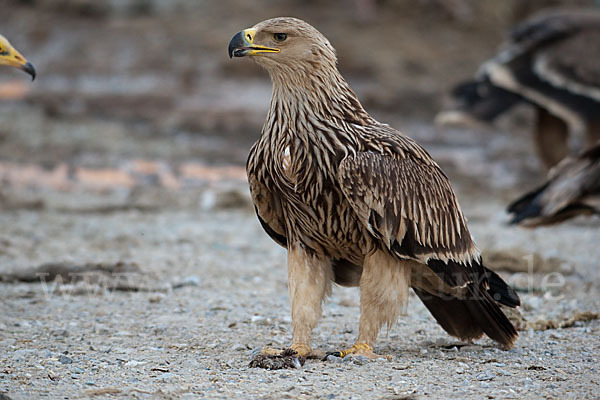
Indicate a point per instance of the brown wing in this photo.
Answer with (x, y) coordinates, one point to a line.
(551, 25)
(551, 61)
(572, 188)
(266, 204)
(573, 64)
(409, 205)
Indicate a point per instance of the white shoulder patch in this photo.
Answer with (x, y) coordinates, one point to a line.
(286, 161)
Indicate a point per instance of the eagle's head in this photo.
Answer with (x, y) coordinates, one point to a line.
(284, 44)
(9, 56)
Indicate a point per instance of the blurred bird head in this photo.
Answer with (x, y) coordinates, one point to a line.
(284, 44)
(9, 56)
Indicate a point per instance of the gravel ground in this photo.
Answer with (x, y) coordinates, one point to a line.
(191, 296)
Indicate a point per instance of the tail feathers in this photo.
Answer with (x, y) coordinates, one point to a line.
(452, 314)
(500, 291)
(471, 317)
(490, 318)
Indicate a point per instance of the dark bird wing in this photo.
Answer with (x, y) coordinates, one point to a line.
(551, 60)
(572, 188)
(266, 204)
(552, 25)
(408, 204)
(406, 201)
(573, 64)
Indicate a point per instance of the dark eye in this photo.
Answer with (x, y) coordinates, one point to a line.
(280, 37)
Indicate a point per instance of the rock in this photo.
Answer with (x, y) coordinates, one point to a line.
(22, 354)
(260, 320)
(64, 359)
(333, 359)
(470, 348)
(487, 375)
(156, 298)
(60, 332)
(167, 376)
(134, 363)
(359, 360)
(192, 280)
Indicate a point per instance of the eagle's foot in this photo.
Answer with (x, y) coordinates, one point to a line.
(292, 357)
(358, 349)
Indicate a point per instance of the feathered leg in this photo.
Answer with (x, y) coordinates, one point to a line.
(384, 286)
(309, 282)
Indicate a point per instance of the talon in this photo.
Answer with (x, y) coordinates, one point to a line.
(363, 349)
(271, 352)
(301, 349)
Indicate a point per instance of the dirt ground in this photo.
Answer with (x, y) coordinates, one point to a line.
(132, 265)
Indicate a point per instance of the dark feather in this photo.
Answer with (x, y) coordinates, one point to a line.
(572, 188)
(469, 318)
(280, 239)
(500, 291)
(526, 206)
(452, 314)
(483, 100)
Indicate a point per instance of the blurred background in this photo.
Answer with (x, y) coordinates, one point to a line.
(146, 87)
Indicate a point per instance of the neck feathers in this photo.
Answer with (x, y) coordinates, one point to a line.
(317, 93)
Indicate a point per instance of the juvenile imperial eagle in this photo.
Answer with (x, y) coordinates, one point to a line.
(552, 62)
(358, 203)
(572, 188)
(10, 57)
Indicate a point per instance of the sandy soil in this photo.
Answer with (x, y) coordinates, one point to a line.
(132, 266)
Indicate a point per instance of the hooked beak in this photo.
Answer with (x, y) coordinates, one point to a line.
(242, 44)
(12, 58)
(28, 67)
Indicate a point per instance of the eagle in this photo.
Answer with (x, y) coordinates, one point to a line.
(572, 189)
(552, 62)
(10, 57)
(357, 203)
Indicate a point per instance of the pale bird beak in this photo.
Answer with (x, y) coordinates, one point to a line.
(242, 44)
(12, 58)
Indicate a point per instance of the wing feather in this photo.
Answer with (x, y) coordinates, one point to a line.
(408, 204)
(266, 204)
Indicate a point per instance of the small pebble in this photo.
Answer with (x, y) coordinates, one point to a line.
(485, 376)
(260, 320)
(333, 359)
(64, 359)
(167, 376)
(360, 360)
